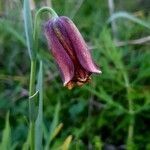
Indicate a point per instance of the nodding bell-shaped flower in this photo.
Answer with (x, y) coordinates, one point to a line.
(70, 52)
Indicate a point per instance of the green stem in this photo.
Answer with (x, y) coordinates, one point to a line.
(32, 91)
(31, 102)
(36, 22)
(130, 143)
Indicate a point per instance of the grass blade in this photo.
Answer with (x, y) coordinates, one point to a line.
(53, 125)
(39, 120)
(57, 130)
(6, 139)
(130, 17)
(28, 28)
(66, 143)
(26, 145)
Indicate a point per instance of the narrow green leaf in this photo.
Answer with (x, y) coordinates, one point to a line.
(14, 146)
(6, 139)
(28, 28)
(66, 143)
(26, 145)
(53, 125)
(130, 17)
(39, 120)
(57, 130)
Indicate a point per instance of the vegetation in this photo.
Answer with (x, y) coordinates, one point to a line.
(111, 112)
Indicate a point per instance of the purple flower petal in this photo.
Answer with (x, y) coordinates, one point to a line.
(62, 58)
(62, 36)
(79, 45)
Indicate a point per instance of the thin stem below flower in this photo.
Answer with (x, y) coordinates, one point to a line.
(32, 101)
(39, 12)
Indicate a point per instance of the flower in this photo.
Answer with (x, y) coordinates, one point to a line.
(70, 52)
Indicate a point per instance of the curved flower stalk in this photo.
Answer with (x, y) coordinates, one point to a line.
(70, 52)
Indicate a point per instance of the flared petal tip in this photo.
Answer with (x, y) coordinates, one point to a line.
(98, 71)
(65, 83)
(69, 85)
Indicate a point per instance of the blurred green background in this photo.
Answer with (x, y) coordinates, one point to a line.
(113, 111)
